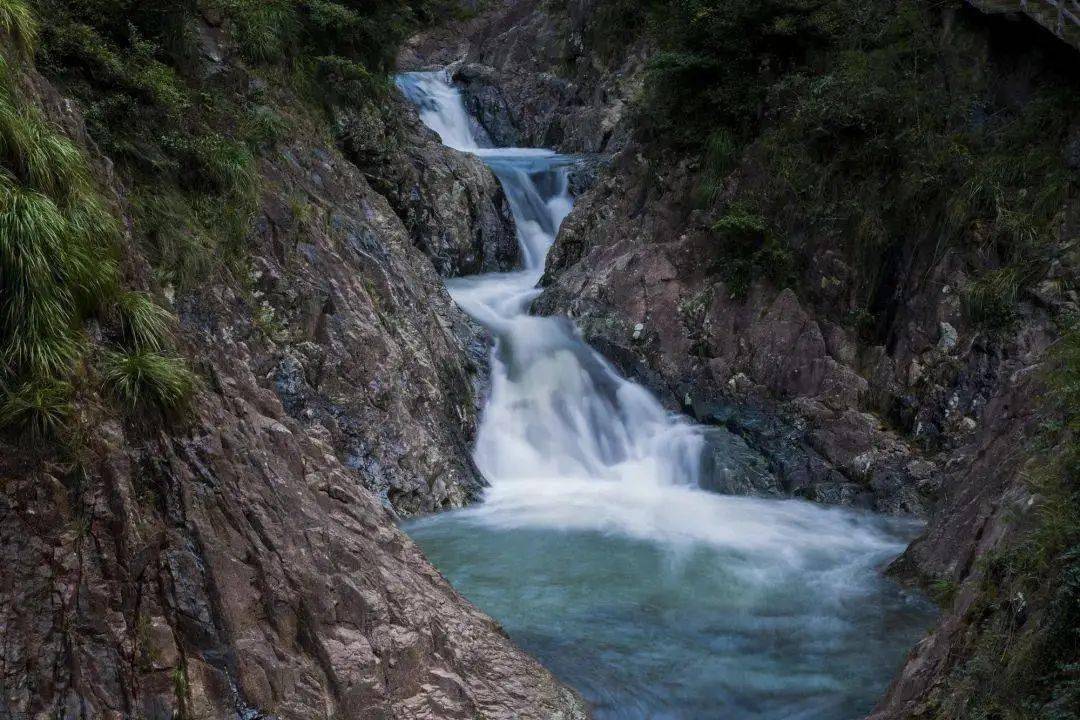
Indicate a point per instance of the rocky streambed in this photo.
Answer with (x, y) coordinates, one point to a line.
(598, 545)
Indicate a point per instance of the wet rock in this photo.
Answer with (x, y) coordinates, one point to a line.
(485, 102)
(524, 73)
(585, 173)
(731, 467)
(452, 205)
(948, 338)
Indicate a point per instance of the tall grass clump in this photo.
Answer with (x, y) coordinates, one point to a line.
(38, 408)
(58, 268)
(36, 153)
(19, 23)
(143, 323)
(719, 158)
(142, 378)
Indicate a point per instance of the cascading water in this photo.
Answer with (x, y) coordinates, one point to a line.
(594, 545)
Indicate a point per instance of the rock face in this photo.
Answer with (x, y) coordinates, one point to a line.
(528, 77)
(243, 561)
(794, 386)
(450, 202)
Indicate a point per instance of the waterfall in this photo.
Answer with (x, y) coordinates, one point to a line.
(594, 544)
(560, 420)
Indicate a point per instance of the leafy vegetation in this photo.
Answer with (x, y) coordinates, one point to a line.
(39, 408)
(184, 137)
(747, 248)
(19, 23)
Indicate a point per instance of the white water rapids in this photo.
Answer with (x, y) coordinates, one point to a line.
(594, 528)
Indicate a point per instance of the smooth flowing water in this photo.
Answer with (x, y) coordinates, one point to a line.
(594, 545)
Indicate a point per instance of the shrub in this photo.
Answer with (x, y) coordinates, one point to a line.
(748, 250)
(146, 378)
(346, 82)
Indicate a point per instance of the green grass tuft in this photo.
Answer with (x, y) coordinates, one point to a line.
(228, 164)
(143, 323)
(39, 410)
(991, 301)
(718, 160)
(37, 307)
(18, 22)
(145, 378)
(39, 156)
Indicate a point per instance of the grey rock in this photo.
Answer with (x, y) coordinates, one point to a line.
(731, 467)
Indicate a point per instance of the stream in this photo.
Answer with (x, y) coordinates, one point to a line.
(594, 546)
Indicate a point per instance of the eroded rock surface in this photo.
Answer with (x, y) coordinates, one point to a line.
(450, 202)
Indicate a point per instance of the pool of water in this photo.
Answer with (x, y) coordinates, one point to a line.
(695, 628)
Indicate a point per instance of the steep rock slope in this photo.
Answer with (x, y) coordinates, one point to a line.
(234, 560)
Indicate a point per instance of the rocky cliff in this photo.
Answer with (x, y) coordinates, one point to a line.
(893, 356)
(238, 557)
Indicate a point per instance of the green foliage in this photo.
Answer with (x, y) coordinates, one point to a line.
(344, 81)
(227, 164)
(991, 301)
(718, 160)
(146, 378)
(19, 23)
(189, 241)
(264, 29)
(263, 128)
(143, 323)
(56, 266)
(716, 59)
(38, 155)
(39, 408)
(943, 591)
(747, 249)
(1025, 660)
(864, 128)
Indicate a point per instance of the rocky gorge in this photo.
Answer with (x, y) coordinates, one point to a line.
(242, 558)
(926, 412)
